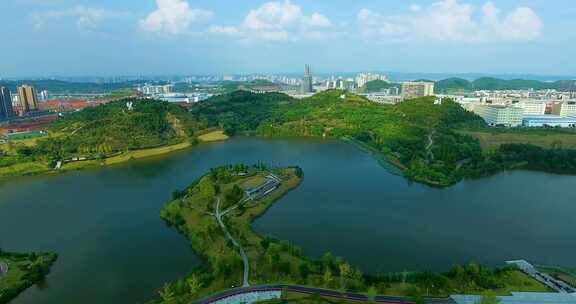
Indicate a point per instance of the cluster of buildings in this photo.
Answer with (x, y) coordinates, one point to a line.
(153, 90)
(524, 111)
(23, 104)
(394, 94)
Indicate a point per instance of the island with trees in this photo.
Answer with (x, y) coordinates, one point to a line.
(21, 271)
(215, 214)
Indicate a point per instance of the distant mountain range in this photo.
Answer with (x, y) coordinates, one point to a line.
(488, 83)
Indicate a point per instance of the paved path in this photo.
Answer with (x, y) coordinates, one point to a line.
(3, 268)
(349, 296)
(218, 215)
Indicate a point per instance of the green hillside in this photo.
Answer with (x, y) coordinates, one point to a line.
(101, 132)
(415, 135)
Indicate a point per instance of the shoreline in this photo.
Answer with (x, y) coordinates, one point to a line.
(37, 168)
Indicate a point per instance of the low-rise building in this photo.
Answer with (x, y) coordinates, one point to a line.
(539, 121)
(499, 115)
(382, 98)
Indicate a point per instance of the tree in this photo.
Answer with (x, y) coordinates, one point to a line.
(489, 297)
(372, 293)
(194, 284)
(345, 272)
(166, 293)
(327, 278)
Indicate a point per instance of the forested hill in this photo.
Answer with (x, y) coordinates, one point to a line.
(240, 111)
(416, 134)
(488, 83)
(113, 127)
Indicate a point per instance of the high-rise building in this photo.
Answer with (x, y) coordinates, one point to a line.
(6, 110)
(307, 86)
(417, 89)
(27, 99)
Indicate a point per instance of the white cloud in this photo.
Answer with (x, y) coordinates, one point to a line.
(173, 17)
(87, 18)
(452, 20)
(278, 21)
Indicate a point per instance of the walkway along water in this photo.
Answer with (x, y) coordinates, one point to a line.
(230, 295)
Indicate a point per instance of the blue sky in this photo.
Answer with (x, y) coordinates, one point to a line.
(133, 37)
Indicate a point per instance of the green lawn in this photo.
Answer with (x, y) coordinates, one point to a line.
(26, 135)
(492, 139)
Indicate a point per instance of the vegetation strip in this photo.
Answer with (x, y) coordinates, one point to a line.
(21, 271)
(430, 141)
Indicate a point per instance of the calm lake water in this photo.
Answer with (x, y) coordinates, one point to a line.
(114, 248)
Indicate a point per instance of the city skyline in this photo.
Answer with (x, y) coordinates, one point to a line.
(162, 37)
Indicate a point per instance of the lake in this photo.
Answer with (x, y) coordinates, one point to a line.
(114, 248)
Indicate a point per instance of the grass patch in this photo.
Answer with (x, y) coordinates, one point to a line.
(25, 168)
(137, 154)
(542, 138)
(213, 136)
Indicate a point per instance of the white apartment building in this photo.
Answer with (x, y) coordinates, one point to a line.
(364, 78)
(532, 107)
(417, 89)
(498, 115)
(156, 89)
(564, 109)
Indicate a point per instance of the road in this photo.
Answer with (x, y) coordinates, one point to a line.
(349, 296)
(218, 216)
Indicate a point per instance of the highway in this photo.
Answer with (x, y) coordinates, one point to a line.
(349, 296)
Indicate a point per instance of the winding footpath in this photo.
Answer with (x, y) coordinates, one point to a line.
(218, 216)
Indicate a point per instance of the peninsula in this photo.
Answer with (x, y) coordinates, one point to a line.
(21, 271)
(215, 214)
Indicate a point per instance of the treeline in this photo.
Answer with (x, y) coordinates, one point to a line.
(489, 83)
(62, 87)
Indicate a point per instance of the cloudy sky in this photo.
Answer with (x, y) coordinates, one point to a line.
(130, 37)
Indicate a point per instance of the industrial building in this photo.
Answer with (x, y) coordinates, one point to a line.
(539, 121)
(499, 115)
(417, 89)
